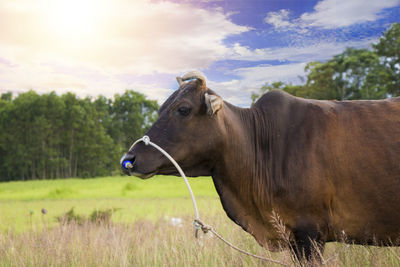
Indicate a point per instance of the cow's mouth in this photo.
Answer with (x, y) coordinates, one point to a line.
(143, 175)
(164, 171)
(168, 171)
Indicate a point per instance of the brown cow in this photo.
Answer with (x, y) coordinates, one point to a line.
(328, 168)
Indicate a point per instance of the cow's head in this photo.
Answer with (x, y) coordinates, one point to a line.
(188, 128)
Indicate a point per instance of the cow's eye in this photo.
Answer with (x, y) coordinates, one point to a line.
(183, 111)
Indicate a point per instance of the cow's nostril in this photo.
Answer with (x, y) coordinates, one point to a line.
(127, 161)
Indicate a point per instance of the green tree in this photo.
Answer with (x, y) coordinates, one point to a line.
(6, 96)
(353, 74)
(50, 136)
(132, 115)
(296, 90)
(321, 82)
(266, 88)
(388, 49)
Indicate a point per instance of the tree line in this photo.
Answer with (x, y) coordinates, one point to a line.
(50, 136)
(354, 74)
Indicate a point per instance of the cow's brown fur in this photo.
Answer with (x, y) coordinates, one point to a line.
(328, 168)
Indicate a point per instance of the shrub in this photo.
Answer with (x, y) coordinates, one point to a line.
(71, 217)
(102, 216)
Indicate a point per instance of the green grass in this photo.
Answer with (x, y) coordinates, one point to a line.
(141, 233)
(21, 202)
(107, 187)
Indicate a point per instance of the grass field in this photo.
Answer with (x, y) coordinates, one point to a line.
(21, 202)
(142, 232)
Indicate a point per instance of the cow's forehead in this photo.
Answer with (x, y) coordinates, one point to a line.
(186, 90)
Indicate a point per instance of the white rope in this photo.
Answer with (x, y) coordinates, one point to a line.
(198, 224)
(146, 140)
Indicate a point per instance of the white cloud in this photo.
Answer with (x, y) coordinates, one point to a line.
(238, 91)
(256, 76)
(330, 14)
(315, 50)
(152, 91)
(44, 51)
(45, 78)
(136, 36)
(231, 91)
(106, 39)
(280, 19)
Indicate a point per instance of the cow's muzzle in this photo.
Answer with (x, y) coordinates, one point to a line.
(129, 166)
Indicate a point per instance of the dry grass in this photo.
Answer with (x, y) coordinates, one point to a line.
(138, 234)
(144, 243)
(159, 243)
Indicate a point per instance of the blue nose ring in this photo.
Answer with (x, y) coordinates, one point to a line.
(127, 164)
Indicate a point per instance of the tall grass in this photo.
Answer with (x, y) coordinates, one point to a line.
(141, 231)
(159, 243)
(143, 243)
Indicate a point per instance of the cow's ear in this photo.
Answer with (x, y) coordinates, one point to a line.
(213, 103)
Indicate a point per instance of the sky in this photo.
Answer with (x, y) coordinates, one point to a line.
(103, 47)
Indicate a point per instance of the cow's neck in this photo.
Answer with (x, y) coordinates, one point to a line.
(243, 176)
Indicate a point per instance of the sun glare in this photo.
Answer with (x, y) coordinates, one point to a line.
(76, 18)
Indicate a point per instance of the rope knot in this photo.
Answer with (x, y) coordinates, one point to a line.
(146, 140)
(199, 225)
